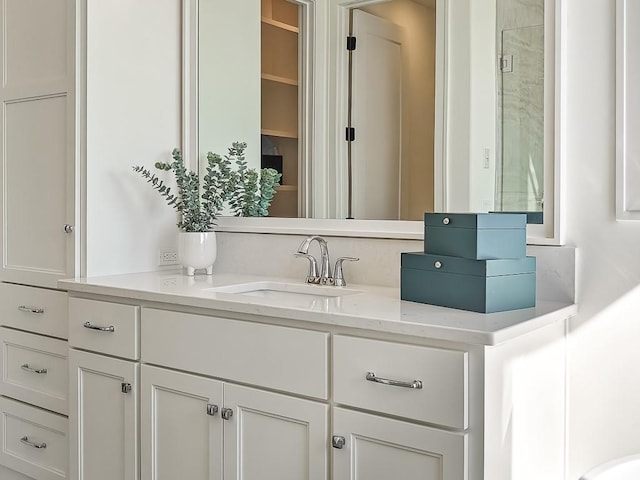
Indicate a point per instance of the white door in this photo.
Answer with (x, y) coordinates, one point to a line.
(274, 437)
(103, 419)
(377, 117)
(377, 448)
(181, 426)
(37, 141)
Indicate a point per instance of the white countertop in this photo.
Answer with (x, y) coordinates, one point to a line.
(376, 308)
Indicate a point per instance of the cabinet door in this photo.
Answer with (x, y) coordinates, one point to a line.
(181, 426)
(273, 437)
(103, 417)
(377, 448)
(37, 178)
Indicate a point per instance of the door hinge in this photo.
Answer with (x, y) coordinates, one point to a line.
(125, 387)
(351, 43)
(506, 63)
(350, 134)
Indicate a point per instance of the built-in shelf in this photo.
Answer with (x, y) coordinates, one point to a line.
(277, 24)
(279, 133)
(287, 188)
(279, 79)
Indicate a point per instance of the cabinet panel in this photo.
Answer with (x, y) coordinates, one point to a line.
(37, 310)
(281, 358)
(105, 327)
(378, 448)
(35, 55)
(35, 188)
(34, 369)
(34, 441)
(180, 439)
(442, 397)
(103, 420)
(274, 437)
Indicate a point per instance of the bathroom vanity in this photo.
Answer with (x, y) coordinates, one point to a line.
(229, 376)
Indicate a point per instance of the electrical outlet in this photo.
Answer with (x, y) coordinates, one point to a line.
(486, 156)
(167, 257)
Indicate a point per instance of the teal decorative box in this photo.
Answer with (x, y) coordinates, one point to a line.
(484, 286)
(479, 236)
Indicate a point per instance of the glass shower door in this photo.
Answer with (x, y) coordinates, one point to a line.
(520, 169)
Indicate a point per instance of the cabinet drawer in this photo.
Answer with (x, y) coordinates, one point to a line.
(282, 358)
(34, 309)
(34, 441)
(441, 399)
(105, 327)
(34, 369)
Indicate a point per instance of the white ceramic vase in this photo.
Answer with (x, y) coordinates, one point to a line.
(197, 250)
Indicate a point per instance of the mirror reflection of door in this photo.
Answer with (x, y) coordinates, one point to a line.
(280, 40)
(392, 110)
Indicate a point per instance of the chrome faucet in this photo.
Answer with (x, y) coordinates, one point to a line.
(323, 276)
(325, 269)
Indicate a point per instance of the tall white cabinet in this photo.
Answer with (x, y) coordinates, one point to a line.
(37, 143)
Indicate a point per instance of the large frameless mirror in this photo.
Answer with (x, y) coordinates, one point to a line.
(436, 105)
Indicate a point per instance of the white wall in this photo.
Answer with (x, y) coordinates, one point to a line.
(229, 77)
(604, 356)
(133, 110)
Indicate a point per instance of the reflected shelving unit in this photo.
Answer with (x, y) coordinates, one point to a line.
(279, 100)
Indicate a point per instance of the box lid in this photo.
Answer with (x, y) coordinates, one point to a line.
(466, 266)
(476, 220)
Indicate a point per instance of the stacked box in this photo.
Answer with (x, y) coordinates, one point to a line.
(472, 262)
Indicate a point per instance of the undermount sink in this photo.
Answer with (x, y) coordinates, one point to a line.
(282, 290)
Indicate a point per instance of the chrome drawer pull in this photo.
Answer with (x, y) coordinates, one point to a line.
(26, 441)
(27, 368)
(24, 308)
(416, 384)
(110, 328)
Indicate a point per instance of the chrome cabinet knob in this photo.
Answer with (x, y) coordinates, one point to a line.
(437, 264)
(212, 409)
(125, 387)
(446, 220)
(226, 413)
(68, 228)
(338, 441)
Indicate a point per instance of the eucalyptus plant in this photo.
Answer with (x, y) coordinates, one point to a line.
(248, 193)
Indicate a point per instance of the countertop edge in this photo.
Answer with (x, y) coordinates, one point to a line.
(559, 311)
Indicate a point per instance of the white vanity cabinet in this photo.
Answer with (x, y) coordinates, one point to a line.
(34, 383)
(230, 394)
(374, 447)
(104, 389)
(213, 429)
(416, 382)
(210, 430)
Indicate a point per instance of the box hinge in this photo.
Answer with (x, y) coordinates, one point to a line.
(350, 134)
(351, 43)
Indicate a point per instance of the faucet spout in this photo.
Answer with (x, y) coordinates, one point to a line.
(325, 267)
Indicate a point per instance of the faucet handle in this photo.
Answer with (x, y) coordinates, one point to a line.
(313, 276)
(338, 274)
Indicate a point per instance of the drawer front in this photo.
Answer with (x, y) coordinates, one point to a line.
(34, 309)
(105, 327)
(433, 382)
(34, 441)
(282, 358)
(34, 369)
